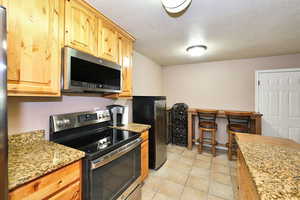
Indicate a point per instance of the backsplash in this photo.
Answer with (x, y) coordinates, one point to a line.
(32, 113)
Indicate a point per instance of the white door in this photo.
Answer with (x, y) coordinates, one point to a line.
(278, 99)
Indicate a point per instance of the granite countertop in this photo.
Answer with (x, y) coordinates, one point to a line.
(274, 165)
(31, 156)
(134, 127)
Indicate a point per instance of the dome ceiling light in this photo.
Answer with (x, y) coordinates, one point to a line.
(175, 6)
(196, 50)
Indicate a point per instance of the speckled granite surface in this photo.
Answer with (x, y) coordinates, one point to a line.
(134, 127)
(275, 168)
(31, 156)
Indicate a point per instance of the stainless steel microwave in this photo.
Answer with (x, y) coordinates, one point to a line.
(83, 72)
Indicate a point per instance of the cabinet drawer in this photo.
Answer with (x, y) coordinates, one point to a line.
(49, 184)
(72, 192)
(144, 135)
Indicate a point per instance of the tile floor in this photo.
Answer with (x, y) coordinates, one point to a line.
(188, 175)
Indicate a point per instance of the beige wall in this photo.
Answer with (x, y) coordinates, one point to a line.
(32, 113)
(147, 76)
(221, 85)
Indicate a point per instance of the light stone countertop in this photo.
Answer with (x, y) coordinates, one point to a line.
(274, 165)
(134, 127)
(30, 156)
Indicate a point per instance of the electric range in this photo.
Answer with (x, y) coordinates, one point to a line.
(112, 166)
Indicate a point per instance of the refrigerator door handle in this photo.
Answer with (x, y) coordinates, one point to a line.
(3, 111)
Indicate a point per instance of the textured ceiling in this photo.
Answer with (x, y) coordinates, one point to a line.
(231, 29)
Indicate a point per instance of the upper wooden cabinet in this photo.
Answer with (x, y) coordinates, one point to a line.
(126, 49)
(81, 26)
(34, 41)
(107, 44)
(39, 29)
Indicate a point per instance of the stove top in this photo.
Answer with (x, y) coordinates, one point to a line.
(89, 132)
(102, 142)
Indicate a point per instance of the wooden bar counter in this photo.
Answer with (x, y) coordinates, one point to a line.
(192, 113)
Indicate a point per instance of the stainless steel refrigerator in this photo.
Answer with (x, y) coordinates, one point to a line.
(3, 112)
(152, 110)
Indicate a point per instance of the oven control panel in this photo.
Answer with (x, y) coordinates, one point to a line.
(75, 120)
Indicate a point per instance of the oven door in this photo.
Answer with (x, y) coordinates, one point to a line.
(117, 174)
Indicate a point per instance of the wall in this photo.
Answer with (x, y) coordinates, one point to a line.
(31, 113)
(220, 85)
(147, 76)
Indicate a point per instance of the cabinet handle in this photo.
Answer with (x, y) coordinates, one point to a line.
(36, 186)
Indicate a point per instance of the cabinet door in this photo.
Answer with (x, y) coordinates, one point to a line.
(35, 31)
(72, 192)
(81, 27)
(144, 159)
(126, 46)
(108, 43)
(52, 183)
(125, 60)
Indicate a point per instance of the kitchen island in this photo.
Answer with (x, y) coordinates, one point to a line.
(268, 168)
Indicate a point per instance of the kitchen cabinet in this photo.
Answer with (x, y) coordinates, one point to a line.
(34, 41)
(37, 32)
(125, 53)
(65, 183)
(246, 187)
(144, 156)
(108, 43)
(81, 26)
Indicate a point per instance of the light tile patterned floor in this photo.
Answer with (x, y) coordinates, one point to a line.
(188, 175)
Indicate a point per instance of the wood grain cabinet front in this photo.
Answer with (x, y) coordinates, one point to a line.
(144, 156)
(246, 188)
(64, 183)
(81, 26)
(72, 192)
(125, 51)
(34, 41)
(107, 44)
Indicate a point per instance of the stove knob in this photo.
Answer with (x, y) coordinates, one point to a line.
(60, 123)
(66, 121)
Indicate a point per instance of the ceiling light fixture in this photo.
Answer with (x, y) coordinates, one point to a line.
(175, 6)
(196, 50)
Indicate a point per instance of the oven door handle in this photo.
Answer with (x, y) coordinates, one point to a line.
(115, 154)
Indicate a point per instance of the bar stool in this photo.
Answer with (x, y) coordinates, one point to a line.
(238, 122)
(207, 123)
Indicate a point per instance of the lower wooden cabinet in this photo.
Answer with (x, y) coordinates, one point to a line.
(145, 156)
(72, 192)
(64, 183)
(246, 187)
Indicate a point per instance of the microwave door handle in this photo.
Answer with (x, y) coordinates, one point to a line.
(115, 154)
